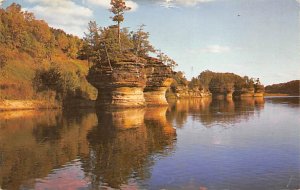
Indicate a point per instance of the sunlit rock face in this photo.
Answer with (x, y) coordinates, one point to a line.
(249, 92)
(119, 84)
(220, 92)
(256, 91)
(159, 79)
(244, 92)
(229, 92)
(259, 90)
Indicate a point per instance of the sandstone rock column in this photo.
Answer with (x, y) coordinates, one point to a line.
(121, 84)
(247, 92)
(159, 79)
(259, 90)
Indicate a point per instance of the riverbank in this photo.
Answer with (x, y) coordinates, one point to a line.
(9, 105)
(275, 94)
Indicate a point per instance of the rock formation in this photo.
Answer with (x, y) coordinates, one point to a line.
(159, 79)
(222, 91)
(119, 83)
(181, 92)
(259, 90)
(247, 92)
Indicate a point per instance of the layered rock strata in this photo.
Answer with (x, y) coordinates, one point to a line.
(181, 92)
(222, 92)
(159, 79)
(121, 83)
(259, 90)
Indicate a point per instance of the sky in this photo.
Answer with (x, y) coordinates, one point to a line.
(257, 38)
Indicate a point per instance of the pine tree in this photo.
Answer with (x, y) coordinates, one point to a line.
(118, 9)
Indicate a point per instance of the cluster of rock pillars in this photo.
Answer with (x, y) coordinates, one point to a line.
(136, 82)
(131, 82)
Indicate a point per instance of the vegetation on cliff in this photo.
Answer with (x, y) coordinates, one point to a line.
(290, 88)
(37, 61)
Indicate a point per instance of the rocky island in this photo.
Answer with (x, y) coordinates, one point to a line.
(120, 84)
(159, 79)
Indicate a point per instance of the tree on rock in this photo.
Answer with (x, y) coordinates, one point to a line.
(166, 59)
(141, 44)
(118, 9)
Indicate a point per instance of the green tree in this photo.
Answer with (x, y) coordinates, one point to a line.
(141, 44)
(118, 9)
(166, 59)
(64, 83)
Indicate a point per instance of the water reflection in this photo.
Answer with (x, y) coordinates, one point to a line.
(33, 145)
(212, 112)
(141, 148)
(287, 101)
(123, 144)
(39, 149)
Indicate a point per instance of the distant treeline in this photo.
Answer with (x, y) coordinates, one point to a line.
(291, 88)
(210, 81)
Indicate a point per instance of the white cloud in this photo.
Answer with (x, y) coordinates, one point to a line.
(106, 3)
(176, 3)
(1, 2)
(63, 14)
(215, 49)
(191, 2)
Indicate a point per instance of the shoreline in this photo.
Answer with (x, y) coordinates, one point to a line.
(14, 105)
(19, 105)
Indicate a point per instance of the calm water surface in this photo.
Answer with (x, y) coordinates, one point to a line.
(192, 144)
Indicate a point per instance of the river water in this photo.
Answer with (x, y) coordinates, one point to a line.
(192, 144)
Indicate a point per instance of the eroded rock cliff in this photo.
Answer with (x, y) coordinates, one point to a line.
(120, 83)
(159, 79)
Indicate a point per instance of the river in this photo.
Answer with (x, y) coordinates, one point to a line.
(192, 144)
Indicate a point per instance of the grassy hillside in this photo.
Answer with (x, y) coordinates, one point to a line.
(290, 88)
(28, 45)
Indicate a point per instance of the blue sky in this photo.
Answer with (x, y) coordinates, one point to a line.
(258, 38)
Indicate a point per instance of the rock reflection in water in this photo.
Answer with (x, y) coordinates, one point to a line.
(109, 147)
(213, 111)
(124, 143)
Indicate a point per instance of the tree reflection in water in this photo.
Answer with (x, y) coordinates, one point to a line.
(33, 143)
(112, 146)
(214, 112)
(115, 148)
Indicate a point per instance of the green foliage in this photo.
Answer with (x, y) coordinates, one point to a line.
(291, 88)
(64, 83)
(28, 46)
(195, 83)
(20, 30)
(166, 59)
(222, 82)
(101, 45)
(110, 42)
(118, 9)
(179, 80)
(141, 44)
